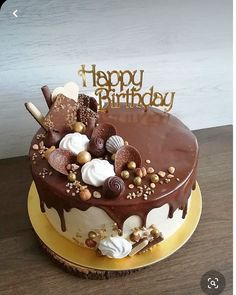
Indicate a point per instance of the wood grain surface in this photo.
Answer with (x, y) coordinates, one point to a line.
(183, 46)
(25, 269)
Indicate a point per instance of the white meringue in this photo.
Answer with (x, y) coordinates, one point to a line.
(96, 172)
(115, 247)
(74, 142)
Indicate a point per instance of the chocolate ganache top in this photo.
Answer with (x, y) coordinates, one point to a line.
(162, 140)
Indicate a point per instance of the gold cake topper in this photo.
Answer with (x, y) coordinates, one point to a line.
(128, 84)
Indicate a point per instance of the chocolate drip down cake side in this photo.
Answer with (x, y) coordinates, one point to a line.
(118, 182)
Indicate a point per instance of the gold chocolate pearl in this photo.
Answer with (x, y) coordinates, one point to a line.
(135, 237)
(155, 233)
(48, 151)
(137, 180)
(154, 178)
(85, 194)
(83, 157)
(92, 235)
(113, 157)
(124, 174)
(131, 165)
(72, 177)
(79, 127)
(153, 226)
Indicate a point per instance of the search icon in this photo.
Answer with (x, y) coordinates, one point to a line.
(213, 283)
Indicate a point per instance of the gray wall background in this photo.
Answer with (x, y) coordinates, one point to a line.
(183, 46)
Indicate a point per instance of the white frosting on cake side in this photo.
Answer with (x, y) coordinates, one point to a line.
(74, 142)
(115, 247)
(79, 223)
(96, 172)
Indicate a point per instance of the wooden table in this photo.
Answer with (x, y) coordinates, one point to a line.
(25, 269)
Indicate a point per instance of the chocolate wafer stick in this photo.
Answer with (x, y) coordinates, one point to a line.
(139, 246)
(152, 243)
(47, 95)
(37, 115)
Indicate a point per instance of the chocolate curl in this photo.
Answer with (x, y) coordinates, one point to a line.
(124, 155)
(91, 123)
(47, 95)
(36, 114)
(104, 131)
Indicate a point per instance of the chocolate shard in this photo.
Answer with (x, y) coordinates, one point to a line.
(125, 155)
(104, 131)
(62, 114)
(59, 159)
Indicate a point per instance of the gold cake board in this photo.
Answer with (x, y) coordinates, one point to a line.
(85, 262)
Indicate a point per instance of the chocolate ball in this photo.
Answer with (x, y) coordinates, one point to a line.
(113, 187)
(83, 157)
(155, 233)
(97, 147)
(92, 235)
(71, 177)
(90, 243)
(135, 237)
(49, 151)
(131, 165)
(79, 127)
(154, 178)
(85, 195)
(124, 174)
(137, 180)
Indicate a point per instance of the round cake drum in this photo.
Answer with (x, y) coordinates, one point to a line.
(85, 262)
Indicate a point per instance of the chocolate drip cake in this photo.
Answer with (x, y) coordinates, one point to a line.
(119, 181)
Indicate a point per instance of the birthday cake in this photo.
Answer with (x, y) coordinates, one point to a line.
(117, 182)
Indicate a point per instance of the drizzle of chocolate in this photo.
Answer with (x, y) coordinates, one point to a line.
(160, 137)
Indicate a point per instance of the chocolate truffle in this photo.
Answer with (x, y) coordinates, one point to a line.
(96, 147)
(113, 187)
